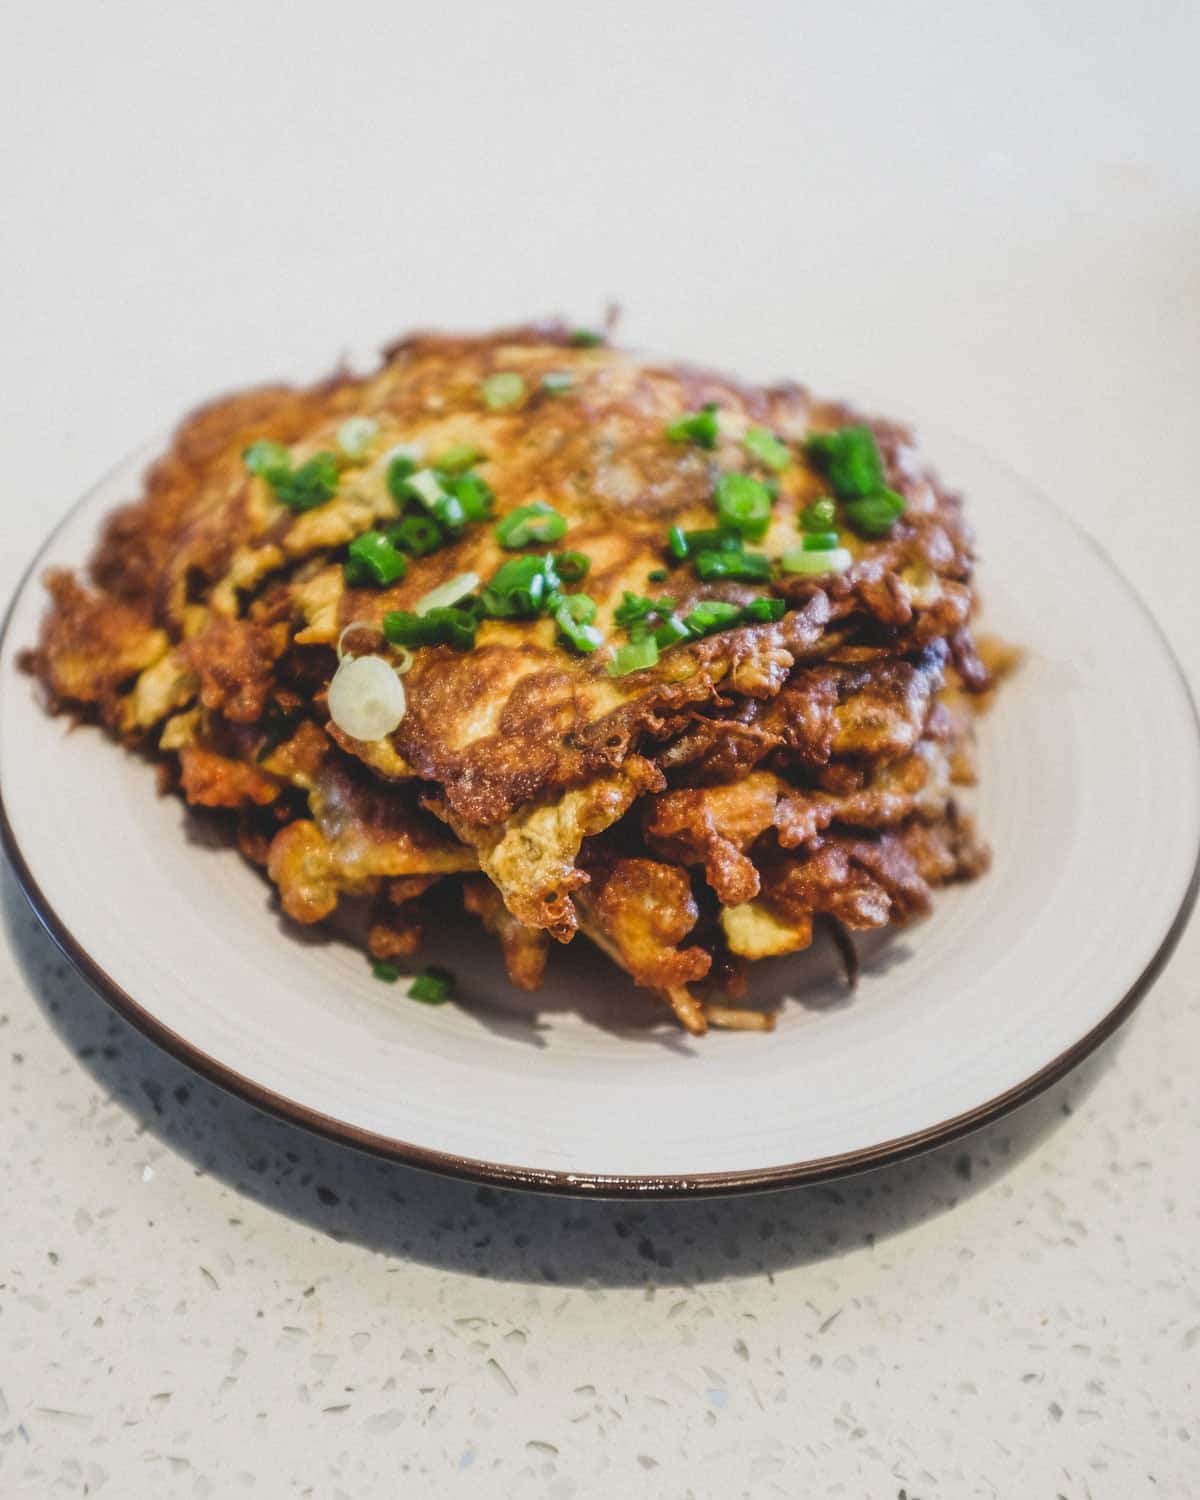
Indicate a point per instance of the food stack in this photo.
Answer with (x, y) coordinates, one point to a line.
(603, 646)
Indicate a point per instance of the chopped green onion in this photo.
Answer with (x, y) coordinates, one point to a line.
(425, 486)
(752, 566)
(635, 609)
(436, 627)
(455, 460)
(875, 515)
(849, 459)
(449, 513)
(355, 436)
(709, 539)
(521, 587)
(657, 575)
(677, 543)
(447, 593)
(670, 631)
(472, 493)
(836, 560)
(266, 458)
(505, 388)
(634, 657)
(432, 987)
(373, 558)
(531, 526)
(558, 382)
(417, 535)
(389, 973)
(312, 484)
(401, 465)
(573, 615)
(767, 448)
(572, 567)
(699, 427)
(819, 516)
(763, 611)
(712, 614)
(585, 338)
(819, 541)
(744, 505)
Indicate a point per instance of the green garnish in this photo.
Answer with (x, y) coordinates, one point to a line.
(418, 535)
(634, 657)
(400, 468)
(424, 485)
(849, 459)
(505, 388)
(670, 631)
(455, 460)
(819, 516)
(585, 338)
(699, 427)
(712, 614)
(875, 515)
(432, 987)
(573, 615)
(389, 973)
(752, 566)
(657, 575)
(819, 541)
(521, 587)
(472, 493)
(436, 627)
(266, 457)
(309, 486)
(373, 559)
(744, 505)
(531, 526)
(355, 436)
(685, 544)
(634, 610)
(572, 567)
(799, 560)
(558, 382)
(767, 448)
(763, 611)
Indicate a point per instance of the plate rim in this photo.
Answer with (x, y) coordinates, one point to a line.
(600, 1184)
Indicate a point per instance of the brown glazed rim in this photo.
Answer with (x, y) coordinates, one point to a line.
(599, 1184)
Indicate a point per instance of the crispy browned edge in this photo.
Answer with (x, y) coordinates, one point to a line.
(601, 1184)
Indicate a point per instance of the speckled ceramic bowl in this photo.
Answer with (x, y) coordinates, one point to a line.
(1090, 798)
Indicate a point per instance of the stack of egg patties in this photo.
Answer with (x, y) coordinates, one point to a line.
(614, 647)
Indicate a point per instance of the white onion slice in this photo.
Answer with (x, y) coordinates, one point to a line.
(353, 625)
(447, 593)
(366, 698)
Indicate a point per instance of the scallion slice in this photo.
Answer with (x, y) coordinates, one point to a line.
(461, 456)
(312, 484)
(634, 657)
(558, 382)
(699, 427)
(767, 448)
(355, 436)
(436, 627)
(819, 516)
(504, 388)
(532, 525)
(819, 541)
(433, 986)
(814, 564)
(712, 614)
(521, 587)
(417, 535)
(849, 459)
(751, 566)
(744, 505)
(875, 515)
(372, 558)
(266, 457)
(572, 567)
(447, 593)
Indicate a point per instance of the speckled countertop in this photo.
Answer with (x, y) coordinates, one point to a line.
(198, 1301)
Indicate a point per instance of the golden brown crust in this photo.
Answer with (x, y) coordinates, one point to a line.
(797, 767)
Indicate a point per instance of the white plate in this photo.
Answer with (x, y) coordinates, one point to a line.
(1090, 798)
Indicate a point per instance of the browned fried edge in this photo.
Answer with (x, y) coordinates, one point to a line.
(601, 1184)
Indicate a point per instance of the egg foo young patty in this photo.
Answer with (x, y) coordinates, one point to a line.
(617, 647)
